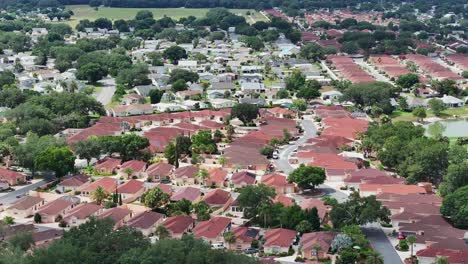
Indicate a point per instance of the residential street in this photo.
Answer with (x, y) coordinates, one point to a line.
(375, 234)
(107, 91)
(7, 198)
(368, 68)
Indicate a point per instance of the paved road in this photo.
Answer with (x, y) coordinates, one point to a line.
(373, 72)
(107, 91)
(11, 196)
(375, 234)
(329, 71)
(283, 162)
(381, 243)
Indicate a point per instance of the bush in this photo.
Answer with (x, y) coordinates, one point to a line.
(37, 218)
(290, 251)
(62, 224)
(403, 245)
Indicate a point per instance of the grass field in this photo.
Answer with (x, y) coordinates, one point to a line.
(408, 116)
(86, 12)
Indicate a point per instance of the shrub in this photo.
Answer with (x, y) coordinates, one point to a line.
(37, 218)
(403, 245)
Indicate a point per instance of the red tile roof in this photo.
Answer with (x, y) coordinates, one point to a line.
(217, 176)
(131, 187)
(160, 169)
(217, 197)
(212, 228)
(134, 165)
(145, 220)
(392, 188)
(245, 234)
(310, 203)
(275, 180)
(243, 177)
(279, 237)
(75, 181)
(117, 214)
(284, 200)
(324, 239)
(107, 183)
(109, 164)
(187, 171)
(83, 211)
(188, 193)
(26, 202)
(178, 224)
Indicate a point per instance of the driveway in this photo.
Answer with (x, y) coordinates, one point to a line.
(329, 71)
(10, 197)
(107, 91)
(372, 71)
(380, 242)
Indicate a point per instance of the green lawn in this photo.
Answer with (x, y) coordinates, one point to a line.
(408, 116)
(86, 12)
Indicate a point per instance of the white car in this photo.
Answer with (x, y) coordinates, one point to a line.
(217, 246)
(275, 156)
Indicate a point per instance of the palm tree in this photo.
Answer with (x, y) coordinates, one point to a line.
(222, 160)
(317, 248)
(374, 258)
(99, 195)
(229, 237)
(203, 175)
(411, 240)
(162, 232)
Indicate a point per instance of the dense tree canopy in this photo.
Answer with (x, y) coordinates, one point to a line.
(307, 177)
(455, 206)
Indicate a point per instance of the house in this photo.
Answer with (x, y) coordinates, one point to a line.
(279, 240)
(185, 175)
(188, 193)
(107, 166)
(219, 103)
(374, 189)
(55, 210)
(284, 200)
(80, 214)
(131, 190)
(118, 215)
(242, 179)
(217, 178)
(212, 230)
(178, 225)
(160, 170)
(25, 206)
(451, 101)
(132, 98)
(278, 182)
(132, 169)
(12, 177)
(309, 240)
(332, 95)
(131, 110)
(322, 209)
(146, 222)
(71, 184)
(244, 237)
(218, 199)
(108, 184)
(165, 188)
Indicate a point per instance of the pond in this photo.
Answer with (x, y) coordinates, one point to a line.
(454, 127)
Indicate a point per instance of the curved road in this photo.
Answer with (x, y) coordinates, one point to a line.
(10, 197)
(283, 162)
(374, 233)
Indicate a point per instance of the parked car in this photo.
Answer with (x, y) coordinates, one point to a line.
(217, 246)
(275, 156)
(251, 250)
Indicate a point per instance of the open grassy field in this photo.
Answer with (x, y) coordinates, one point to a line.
(86, 12)
(408, 116)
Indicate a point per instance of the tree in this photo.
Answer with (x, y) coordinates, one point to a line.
(252, 197)
(171, 154)
(155, 96)
(419, 113)
(310, 90)
(88, 149)
(282, 94)
(253, 42)
(183, 207)
(202, 174)
(411, 240)
(60, 160)
(144, 14)
(437, 106)
(436, 130)
(406, 81)
(181, 74)
(313, 218)
(6, 78)
(229, 237)
(37, 218)
(245, 112)
(312, 51)
(267, 151)
(454, 206)
(202, 210)
(99, 195)
(132, 76)
(307, 177)
(175, 53)
(22, 240)
(403, 103)
(162, 232)
(340, 242)
(441, 260)
(374, 258)
(295, 81)
(299, 105)
(222, 161)
(92, 72)
(316, 247)
(155, 198)
(8, 220)
(303, 227)
(358, 210)
(202, 142)
(179, 85)
(455, 177)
